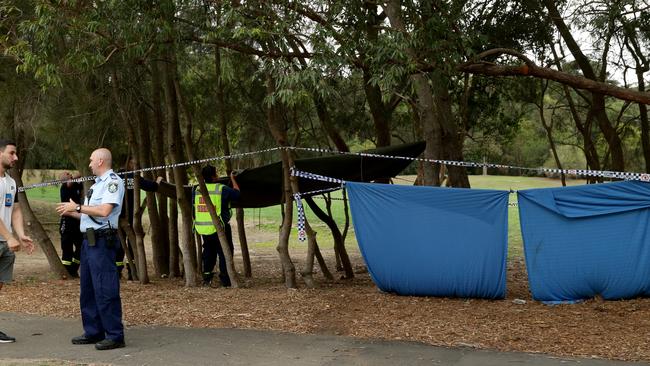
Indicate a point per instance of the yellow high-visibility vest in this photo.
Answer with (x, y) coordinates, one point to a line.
(202, 219)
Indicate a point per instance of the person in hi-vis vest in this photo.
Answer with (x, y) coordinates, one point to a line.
(221, 196)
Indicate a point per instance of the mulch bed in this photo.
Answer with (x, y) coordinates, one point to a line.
(595, 328)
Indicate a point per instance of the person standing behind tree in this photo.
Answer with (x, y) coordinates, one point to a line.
(220, 195)
(101, 306)
(71, 237)
(11, 216)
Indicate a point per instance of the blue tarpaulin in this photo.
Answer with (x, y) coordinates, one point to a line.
(584, 241)
(432, 241)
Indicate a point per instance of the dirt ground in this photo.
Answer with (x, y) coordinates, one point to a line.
(595, 328)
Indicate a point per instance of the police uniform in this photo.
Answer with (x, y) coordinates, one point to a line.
(71, 237)
(101, 306)
(220, 195)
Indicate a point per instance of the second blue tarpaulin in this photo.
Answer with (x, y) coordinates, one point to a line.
(589, 240)
(432, 241)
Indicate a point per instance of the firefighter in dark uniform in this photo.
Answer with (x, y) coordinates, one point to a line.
(71, 237)
(220, 195)
(101, 306)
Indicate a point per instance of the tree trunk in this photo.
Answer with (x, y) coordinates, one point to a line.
(597, 99)
(381, 114)
(288, 269)
(278, 130)
(225, 143)
(36, 231)
(143, 274)
(32, 225)
(216, 221)
(243, 242)
(307, 272)
(161, 248)
(121, 234)
(452, 140)
(425, 105)
(326, 121)
(591, 154)
(174, 249)
(339, 244)
(548, 127)
(175, 145)
(144, 149)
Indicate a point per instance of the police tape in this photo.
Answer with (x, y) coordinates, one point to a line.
(160, 167)
(645, 177)
(302, 234)
(297, 196)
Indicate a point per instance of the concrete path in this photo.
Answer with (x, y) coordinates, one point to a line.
(40, 338)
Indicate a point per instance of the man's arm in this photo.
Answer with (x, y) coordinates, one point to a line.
(234, 181)
(102, 210)
(148, 185)
(19, 228)
(14, 245)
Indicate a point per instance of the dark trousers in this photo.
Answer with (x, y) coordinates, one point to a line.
(212, 250)
(101, 306)
(70, 248)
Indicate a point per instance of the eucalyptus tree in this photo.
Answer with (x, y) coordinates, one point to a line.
(66, 42)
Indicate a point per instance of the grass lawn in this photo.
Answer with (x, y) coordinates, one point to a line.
(269, 218)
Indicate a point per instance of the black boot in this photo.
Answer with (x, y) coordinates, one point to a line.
(207, 279)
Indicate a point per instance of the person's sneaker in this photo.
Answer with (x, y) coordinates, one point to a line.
(82, 339)
(108, 344)
(6, 339)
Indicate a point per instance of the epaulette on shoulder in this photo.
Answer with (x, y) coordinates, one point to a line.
(114, 176)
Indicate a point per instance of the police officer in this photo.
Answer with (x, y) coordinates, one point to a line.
(101, 306)
(220, 195)
(71, 237)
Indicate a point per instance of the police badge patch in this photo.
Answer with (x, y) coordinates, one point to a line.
(112, 187)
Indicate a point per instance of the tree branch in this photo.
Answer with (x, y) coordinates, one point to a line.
(529, 68)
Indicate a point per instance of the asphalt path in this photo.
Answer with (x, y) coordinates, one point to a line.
(42, 338)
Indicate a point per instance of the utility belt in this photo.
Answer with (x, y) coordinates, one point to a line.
(91, 235)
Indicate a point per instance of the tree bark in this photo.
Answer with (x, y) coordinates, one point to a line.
(161, 248)
(31, 223)
(176, 154)
(225, 143)
(381, 114)
(243, 242)
(548, 127)
(143, 274)
(425, 105)
(36, 231)
(175, 269)
(530, 69)
(216, 221)
(452, 139)
(278, 130)
(339, 244)
(326, 121)
(589, 148)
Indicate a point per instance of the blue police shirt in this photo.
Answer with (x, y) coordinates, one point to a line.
(109, 188)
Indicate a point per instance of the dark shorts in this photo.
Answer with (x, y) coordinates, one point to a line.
(7, 259)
